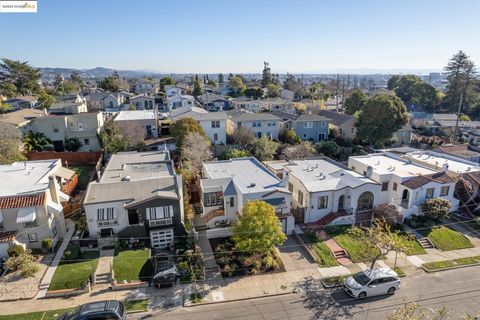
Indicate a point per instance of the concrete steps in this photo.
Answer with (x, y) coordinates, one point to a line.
(102, 278)
(426, 243)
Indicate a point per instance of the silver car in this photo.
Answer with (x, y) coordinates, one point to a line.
(372, 282)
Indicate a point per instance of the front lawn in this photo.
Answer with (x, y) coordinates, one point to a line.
(132, 265)
(358, 250)
(445, 239)
(432, 266)
(75, 269)
(84, 173)
(134, 306)
(324, 255)
(415, 247)
(41, 315)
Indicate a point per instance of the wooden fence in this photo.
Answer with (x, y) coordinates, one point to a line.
(67, 157)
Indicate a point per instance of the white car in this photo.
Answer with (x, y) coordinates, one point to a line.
(372, 282)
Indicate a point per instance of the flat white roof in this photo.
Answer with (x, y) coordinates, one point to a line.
(248, 174)
(319, 175)
(436, 160)
(135, 115)
(25, 177)
(384, 164)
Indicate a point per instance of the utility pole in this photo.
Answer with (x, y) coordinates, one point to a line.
(337, 91)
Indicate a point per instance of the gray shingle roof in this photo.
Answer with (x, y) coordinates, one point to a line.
(248, 116)
(335, 117)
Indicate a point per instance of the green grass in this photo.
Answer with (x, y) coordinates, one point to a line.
(415, 247)
(446, 239)
(325, 257)
(432, 266)
(72, 274)
(133, 306)
(399, 272)
(84, 173)
(132, 265)
(358, 250)
(42, 315)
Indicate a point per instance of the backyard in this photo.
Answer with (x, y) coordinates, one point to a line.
(75, 269)
(132, 265)
(84, 173)
(446, 239)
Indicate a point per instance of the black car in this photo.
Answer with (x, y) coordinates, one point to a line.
(101, 310)
(164, 270)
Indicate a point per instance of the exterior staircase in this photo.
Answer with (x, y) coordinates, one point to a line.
(426, 243)
(325, 220)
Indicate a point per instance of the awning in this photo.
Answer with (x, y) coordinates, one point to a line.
(64, 173)
(26, 215)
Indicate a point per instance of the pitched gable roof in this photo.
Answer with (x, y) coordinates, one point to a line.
(419, 181)
(21, 201)
(336, 118)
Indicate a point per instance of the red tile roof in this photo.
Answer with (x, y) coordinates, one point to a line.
(7, 236)
(29, 200)
(418, 181)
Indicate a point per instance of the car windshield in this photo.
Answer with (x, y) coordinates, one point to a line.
(361, 278)
(72, 314)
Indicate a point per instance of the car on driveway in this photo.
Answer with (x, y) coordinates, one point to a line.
(372, 282)
(101, 310)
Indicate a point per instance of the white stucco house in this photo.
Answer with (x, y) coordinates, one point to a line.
(142, 102)
(261, 124)
(178, 101)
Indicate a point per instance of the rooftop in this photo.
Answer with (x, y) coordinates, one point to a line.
(135, 115)
(335, 117)
(311, 117)
(463, 150)
(325, 175)
(419, 181)
(248, 174)
(436, 161)
(385, 164)
(21, 116)
(249, 116)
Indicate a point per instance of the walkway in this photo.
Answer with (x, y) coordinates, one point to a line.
(47, 278)
(338, 252)
(105, 263)
(212, 270)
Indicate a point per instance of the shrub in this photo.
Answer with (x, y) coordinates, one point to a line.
(47, 244)
(270, 262)
(24, 263)
(29, 270)
(72, 252)
(15, 250)
(436, 208)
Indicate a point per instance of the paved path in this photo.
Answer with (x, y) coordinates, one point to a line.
(334, 247)
(209, 263)
(105, 263)
(47, 278)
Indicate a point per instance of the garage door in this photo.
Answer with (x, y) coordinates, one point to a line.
(161, 238)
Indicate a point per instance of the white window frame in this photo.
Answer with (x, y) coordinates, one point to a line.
(443, 194)
(159, 213)
(322, 202)
(308, 124)
(33, 237)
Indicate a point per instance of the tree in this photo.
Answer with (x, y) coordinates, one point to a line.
(436, 208)
(23, 263)
(253, 93)
(221, 78)
(380, 117)
(273, 90)
(166, 81)
(5, 107)
(244, 137)
(291, 83)
(413, 90)
(387, 212)
(412, 311)
(328, 148)
(464, 117)
(236, 86)
(267, 77)
(45, 100)
(298, 151)
(36, 141)
(264, 149)
(460, 91)
(181, 128)
(113, 84)
(230, 153)
(463, 190)
(197, 87)
(257, 230)
(18, 78)
(76, 79)
(289, 136)
(392, 83)
(212, 83)
(355, 101)
(10, 143)
(195, 150)
(72, 144)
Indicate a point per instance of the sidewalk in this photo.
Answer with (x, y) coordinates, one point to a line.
(47, 278)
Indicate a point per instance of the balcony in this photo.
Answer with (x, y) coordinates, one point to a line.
(104, 223)
(160, 222)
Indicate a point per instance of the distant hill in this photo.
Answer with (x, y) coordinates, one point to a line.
(98, 72)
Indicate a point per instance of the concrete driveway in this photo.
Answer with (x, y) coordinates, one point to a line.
(294, 256)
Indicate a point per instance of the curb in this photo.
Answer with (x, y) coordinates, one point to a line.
(237, 300)
(450, 268)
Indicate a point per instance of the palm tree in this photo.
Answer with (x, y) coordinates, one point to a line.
(35, 141)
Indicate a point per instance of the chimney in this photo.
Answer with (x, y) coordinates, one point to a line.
(53, 187)
(445, 167)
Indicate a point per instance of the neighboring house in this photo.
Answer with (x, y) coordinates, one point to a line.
(287, 94)
(30, 203)
(69, 120)
(178, 101)
(214, 124)
(311, 127)
(248, 104)
(142, 102)
(70, 98)
(279, 104)
(438, 123)
(137, 123)
(327, 192)
(404, 184)
(213, 102)
(25, 102)
(21, 118)
(227, 186)
(423, 119)
(175, 91)
(343, 125)
(464, 151)
(145, 86)
(104, 100)
(138, 195)
(261, 124)
(403, 136)
(453, 166)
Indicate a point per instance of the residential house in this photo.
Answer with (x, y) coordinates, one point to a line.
(178, 101)
(213, 102)
(70, 120)
(24, 102)
(21, 118)
(287, 94)
(142, 102)
(248, 104)
(104, 100)
(326, 192)
(463, 151)
(311, 127)
(403, 136)
(343, 125)
(215, 124)
(227, 186)
(30, 203)
(261, 124)
(442, 124)
(138, 195)
(279, 104)
(175, 91)
(145, 86)
(138, 124)
(404, 184)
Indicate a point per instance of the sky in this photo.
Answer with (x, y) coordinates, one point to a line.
(210, 36)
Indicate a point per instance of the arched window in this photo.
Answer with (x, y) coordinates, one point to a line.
(365, 201)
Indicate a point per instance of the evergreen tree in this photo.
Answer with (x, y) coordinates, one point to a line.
(221, 79)
(267, 77)
(197, 87)
(18, 78)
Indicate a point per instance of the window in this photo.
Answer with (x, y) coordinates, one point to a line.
(86, 142)
(340, 131)
(212, 199)
(105, 214)
(385, 186)
(30, 224)
(54, 231)
(215, 136)
(430, 192)
(55, 129)
(353, 168)
(215, 124)
(353, 130)
(305, 135)
(33, 237)
(322, 202)
(444, 191)
(232, 202)
(290, 187)
(308, 124)
(324, 124)
(158, 213)
(395, 185)
(300, 197)
(259, 135)
(80, 126)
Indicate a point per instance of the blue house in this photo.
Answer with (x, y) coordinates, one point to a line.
(311, 127)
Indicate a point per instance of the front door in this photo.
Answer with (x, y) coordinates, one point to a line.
(341, 204)
(133, 217)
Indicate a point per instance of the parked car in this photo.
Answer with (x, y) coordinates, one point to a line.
(101, 310)
(164, 270)
(372, 282)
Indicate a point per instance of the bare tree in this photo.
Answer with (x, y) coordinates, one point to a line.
(388, 212)
(244, 137)
(195, 151)
(298, 151)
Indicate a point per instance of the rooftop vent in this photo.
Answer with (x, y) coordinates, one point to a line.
(251, 185)
(126, 178)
